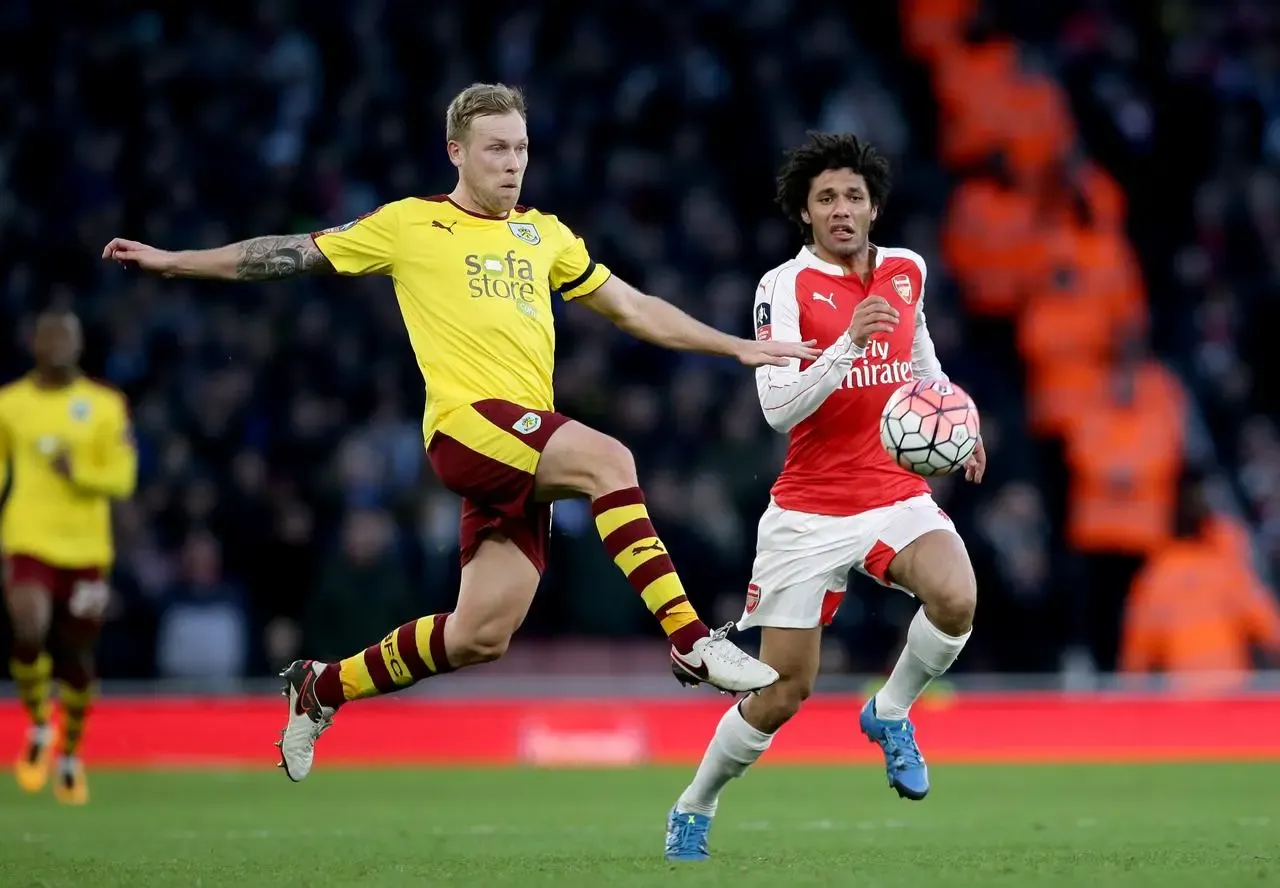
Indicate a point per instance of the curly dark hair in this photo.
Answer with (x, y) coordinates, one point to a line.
(829, 151)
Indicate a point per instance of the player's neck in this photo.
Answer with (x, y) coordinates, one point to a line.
(462, 197)
(857, 265)
(54, 377)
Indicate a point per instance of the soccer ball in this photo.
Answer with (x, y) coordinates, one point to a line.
(929, 426)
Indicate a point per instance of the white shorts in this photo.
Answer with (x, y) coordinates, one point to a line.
(802, 565)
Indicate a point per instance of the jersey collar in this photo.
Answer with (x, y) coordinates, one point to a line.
(810, 259)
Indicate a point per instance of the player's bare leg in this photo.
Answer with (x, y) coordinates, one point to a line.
(579, 461)
(744, 733)
(498, 585)
(31, 613)
(936, 568)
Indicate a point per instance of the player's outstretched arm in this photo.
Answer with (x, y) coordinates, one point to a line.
(269, 258)
(658, 321)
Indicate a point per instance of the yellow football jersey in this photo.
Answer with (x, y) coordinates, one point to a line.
(64, 521)
(475, 292)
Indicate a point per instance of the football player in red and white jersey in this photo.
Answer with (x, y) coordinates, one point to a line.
(841, 502)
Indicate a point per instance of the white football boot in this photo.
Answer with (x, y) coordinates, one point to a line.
(717, 661)
(307, 719)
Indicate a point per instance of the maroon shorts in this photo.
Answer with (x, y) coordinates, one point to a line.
(80, 594)
(487, 453)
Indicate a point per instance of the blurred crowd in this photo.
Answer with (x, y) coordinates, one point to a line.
(284, 504)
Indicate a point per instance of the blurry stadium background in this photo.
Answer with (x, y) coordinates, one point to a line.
(1095, 185)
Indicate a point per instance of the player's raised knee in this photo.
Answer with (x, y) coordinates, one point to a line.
(581, 459)
(953, 604)
(773, 707)
(483, 644)
(614, 467)
(605, 464)
(789, 695)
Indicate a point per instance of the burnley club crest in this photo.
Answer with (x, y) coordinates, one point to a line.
(526, 231)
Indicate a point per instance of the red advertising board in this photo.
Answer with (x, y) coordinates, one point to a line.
(177, 732)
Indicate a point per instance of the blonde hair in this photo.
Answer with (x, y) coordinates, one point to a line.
(480, 100)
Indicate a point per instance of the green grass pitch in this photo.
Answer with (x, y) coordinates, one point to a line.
(1198, 826)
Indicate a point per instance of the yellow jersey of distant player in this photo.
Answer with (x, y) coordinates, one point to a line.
(65, 522)
(475, 292)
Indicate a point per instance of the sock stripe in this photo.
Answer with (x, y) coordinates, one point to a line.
(29, 655)
(665, 610)
(75, 712)
(625, 529)
(32, 679)
(609, 521)
(629, 534)
(378, 672)
(657, 593)
(355, 677)
(627, 496)
(38, 669)
(439, 656)
(330, 690)
(422, 642)
(407, 640)
(650, 572)
(405, 655)
(74, 697)
(394, 659)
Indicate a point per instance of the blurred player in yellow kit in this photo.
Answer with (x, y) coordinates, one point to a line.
(475, 273)
(67, 442)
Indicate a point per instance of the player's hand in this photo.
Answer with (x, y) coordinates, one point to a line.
(778, 354)
(873, 315)
(135, 254)
(976, 466)
(62, 464)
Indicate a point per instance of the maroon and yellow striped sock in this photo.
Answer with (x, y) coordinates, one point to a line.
(31, 675)
(623, 524)
(407, 654)
(75, 712)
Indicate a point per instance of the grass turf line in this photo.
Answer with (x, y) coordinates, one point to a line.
(1097, 826)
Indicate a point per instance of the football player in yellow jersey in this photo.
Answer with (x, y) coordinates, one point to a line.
(475, 274)
(68, 441)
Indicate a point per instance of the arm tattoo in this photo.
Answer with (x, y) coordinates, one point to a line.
(273, 258)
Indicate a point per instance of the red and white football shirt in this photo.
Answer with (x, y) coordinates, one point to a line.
(835, 463)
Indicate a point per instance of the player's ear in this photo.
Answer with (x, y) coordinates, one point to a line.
(805, 217)
(455, 152)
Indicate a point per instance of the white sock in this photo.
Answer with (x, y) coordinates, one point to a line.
(929, 653)
(733, 749)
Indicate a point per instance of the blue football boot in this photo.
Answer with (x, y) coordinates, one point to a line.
(903, 763)
(687, 836)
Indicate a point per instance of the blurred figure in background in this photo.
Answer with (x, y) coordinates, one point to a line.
(1197, 611)
(1125, 455)
(69, 441)
(204, 630)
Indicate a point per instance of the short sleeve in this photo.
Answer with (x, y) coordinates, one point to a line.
(365, 245)
(573, 272)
